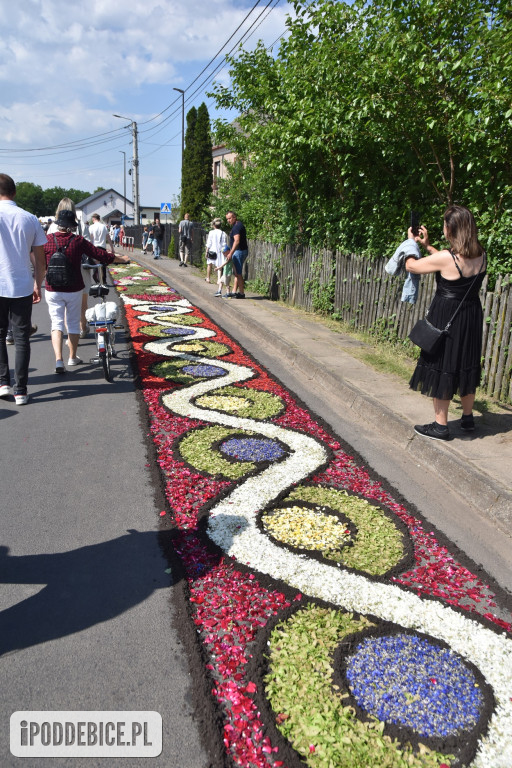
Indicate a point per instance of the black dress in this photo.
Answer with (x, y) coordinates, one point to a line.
(456, 364)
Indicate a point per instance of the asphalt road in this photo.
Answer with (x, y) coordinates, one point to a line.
(86, 622)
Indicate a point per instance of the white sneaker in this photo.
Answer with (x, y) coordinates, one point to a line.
(59, 367)
(21, 399)
(74, 361)
(5, 391)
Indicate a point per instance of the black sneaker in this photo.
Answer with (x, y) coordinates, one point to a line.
(434, 431)
(239, 295)
(467, 423)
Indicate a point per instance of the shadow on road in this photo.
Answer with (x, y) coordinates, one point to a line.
(84, 587)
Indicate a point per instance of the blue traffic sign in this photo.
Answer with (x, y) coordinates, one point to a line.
(165, 208)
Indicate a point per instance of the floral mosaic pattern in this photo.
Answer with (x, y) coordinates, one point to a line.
(317, 555)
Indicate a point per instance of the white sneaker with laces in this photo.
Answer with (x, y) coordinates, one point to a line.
(21, 399)
(5, 390)
(74, 361)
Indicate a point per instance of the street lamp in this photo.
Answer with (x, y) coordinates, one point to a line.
(124, 180)
(182, 124)
(135, 163)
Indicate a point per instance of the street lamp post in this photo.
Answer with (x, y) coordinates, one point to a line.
(135, 163)
(182, 124)
(124, 180)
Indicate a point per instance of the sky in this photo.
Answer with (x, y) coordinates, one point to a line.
(67, 68)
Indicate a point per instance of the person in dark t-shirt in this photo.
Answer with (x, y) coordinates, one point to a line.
(238, 251)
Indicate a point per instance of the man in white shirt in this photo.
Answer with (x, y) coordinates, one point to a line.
(20, 234)
(98, 234)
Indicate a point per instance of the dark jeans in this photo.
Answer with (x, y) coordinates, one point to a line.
(19, 313)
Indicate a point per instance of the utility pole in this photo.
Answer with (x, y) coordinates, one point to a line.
(124, 180)
(182, 124)
(135, 164)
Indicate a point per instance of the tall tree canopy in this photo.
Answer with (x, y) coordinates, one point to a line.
(369, 110)
(196, 181)
(43, 202)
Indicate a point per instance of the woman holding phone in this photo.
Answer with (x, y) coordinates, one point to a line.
(455, 366)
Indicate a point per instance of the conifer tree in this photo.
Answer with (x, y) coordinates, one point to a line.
(196, 180)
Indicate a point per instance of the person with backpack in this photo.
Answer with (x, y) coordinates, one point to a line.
(64, 283)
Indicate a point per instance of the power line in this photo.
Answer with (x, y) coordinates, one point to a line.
(111, 136)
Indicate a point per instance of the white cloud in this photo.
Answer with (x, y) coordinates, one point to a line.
(66, 67)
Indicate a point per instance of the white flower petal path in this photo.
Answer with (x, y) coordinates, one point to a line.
(232, 526)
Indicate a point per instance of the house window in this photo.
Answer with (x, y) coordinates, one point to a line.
(216, 171)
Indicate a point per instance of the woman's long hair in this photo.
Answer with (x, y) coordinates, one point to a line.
(462, 233)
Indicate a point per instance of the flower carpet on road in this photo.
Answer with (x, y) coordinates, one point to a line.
(334, 626)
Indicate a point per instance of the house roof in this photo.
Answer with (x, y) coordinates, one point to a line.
(100, 194)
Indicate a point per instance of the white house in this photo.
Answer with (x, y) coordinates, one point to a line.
(111, 206)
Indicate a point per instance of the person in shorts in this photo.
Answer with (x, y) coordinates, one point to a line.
(238, 252)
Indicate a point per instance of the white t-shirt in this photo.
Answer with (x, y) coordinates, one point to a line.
(20, 231)
(215, 242)
(98, 234)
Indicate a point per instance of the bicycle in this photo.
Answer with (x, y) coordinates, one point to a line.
(103, 320)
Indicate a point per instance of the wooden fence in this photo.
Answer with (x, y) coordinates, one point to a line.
(358, 291)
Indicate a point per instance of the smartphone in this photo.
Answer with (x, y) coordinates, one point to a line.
(415, 223)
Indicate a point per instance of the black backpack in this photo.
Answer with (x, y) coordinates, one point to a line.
(60, 272)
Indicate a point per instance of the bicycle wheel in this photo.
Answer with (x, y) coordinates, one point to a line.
(104, 352)
(105, 362)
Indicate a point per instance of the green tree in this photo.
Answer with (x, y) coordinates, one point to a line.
(196, 182)
(368, 110)
(43, 202)
(30, 197)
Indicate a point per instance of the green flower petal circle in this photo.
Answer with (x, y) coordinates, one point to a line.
(244, 402)
(311, 713)
(159, 330)
(378, 545)
(197, 449)
(172, 370)
(202, 348)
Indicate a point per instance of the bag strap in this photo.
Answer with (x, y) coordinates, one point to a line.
(67, 244)
(450, 321)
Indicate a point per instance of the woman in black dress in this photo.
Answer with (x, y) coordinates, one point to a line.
(456, 365)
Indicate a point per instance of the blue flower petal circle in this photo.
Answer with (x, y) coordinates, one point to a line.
(407, 680)
(178, 331)
(252, 449)
(210, 371)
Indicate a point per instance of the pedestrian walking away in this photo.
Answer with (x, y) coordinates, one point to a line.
(100, 237)
(186, 235)
(65, 299)
(454, 366)
(238, 252)
(21, 235)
